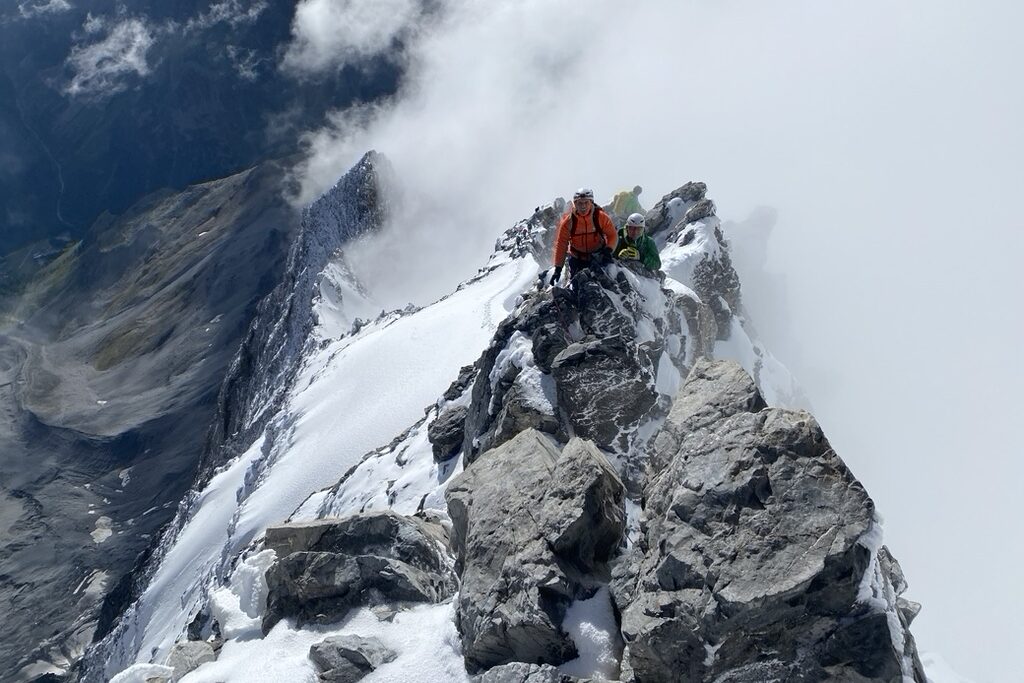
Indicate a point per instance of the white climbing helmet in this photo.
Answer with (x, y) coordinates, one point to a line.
(584, 193)
(636, 220)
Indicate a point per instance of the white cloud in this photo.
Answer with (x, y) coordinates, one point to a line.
(329, 33)
(35, 8)
(94, 23)
(233, 12)
(886, 137)
(246, 62)
(108, 66)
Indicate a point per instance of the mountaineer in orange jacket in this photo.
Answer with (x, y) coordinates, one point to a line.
(586, 233)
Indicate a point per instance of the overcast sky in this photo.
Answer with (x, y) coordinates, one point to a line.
(886, 137)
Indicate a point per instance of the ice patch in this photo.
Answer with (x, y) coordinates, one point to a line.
(633, 513)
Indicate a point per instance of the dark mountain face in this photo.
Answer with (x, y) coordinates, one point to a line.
(198, 94)
(111, 359)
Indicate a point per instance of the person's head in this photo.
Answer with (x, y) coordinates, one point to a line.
(583, 200)
(635, 225)
(637, 190)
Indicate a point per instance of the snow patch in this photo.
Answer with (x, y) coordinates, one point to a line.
(239, 607)
(142, 673)
(591, 625)
(103, 530)
(424, 638)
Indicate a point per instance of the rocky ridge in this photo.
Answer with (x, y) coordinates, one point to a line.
(264, 365)
(597, 453)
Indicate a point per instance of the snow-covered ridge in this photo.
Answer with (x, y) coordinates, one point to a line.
(347, 413)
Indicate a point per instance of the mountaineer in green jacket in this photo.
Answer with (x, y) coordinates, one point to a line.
(634, 245)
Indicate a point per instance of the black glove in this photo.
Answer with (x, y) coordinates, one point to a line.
(556, 275)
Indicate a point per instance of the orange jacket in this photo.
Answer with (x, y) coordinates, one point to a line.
(585, 239)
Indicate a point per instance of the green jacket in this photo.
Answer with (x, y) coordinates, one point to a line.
(643, 250)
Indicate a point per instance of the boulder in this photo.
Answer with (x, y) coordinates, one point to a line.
(326, 567)
(701, 209)
(347, 659)
(661, 217)
(520, 672)
(529, 524)
(447, 432)
(603, 388)
(713, 391)
(188, 656)
(754, 550)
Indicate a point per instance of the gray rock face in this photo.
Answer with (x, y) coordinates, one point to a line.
(326, 567)
(714, 391)
(660, 217)
(520, 672)
(602, 387)
(594, 350)
(189, 656)
(347, 659)
(752, 561)
(524, 551)
(700, 210)
(447, 432)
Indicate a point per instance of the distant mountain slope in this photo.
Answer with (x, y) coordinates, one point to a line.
(112, 359)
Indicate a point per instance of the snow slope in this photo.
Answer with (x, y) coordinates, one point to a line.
(336, 413)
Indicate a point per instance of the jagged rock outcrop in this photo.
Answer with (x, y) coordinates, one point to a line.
(526, 551)
(595, 351)
(666, 213)
(347, 659)
(262, 370)
(447, 432)
(326, 567)
(755, 561)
